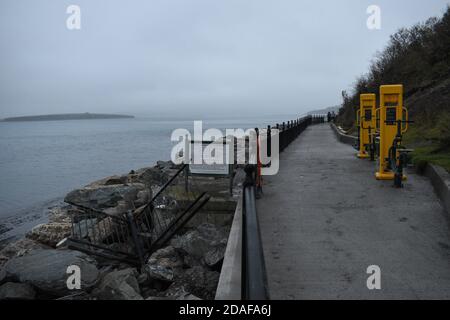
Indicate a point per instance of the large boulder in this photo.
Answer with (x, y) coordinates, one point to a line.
(3, 259)
(50, 233)
(174, 292)
(167, 257)
(213, 258)
(200, 282)
(104, 196)
(152, 176)
(205, 244)
(17, 291)
(112, 180)
(143, 197)
(121, 207)
(61, 214)
(166, 165)
(19, 248)
(187, 296)
(119, 285)
(46, 269)
(79, 295)
(58, 227)
(157, 272)
(164, 265)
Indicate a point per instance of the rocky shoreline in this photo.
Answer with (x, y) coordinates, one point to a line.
(15, 227)
(187, 267)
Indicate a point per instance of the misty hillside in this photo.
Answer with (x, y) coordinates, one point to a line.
(418, 58)
(325, 110)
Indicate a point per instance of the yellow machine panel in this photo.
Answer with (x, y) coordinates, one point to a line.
(367, 123)
(390, 112)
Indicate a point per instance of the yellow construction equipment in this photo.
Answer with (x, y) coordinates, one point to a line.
(366, 124)
(392, 123)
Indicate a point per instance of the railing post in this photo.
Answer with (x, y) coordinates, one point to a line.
(186, 179)
(258, 166)
(134, 234)
(249, 175)
(291, 137)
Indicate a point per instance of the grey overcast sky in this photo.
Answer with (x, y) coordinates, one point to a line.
(196, 57)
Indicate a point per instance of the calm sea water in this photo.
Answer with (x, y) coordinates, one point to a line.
(40, 162)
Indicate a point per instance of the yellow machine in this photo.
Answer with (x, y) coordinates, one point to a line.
(366, 124)
(392, 122)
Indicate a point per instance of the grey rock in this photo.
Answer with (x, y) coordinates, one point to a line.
(167, 257)
(102, 197)
(116, 180)
(212, 232)
(119, 285)
(60, 215)
(207, 244)
(150, 176)
(19, 248)
(122, 207)
(46, 269)
(200, 282)
(143, 197)
(188, 296)
(3, 259)
(77, 296)
(192, 261)
(165, 264)
(157, 298)
(174, 292)
(17, 291)
(142, 279)
(165, 164)
(214, 257)
(112, 180)
(157, 272)
(50, 233)
(191, 243)
(149, 292)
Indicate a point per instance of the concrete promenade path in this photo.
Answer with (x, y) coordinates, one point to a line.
(324, 219)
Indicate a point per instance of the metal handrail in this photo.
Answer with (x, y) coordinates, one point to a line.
(254, 276)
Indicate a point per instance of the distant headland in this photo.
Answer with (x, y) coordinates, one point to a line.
(67, 116)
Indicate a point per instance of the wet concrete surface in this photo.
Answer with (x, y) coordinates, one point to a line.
(324, 219)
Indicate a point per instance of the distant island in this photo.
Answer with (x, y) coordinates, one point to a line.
(67, 116)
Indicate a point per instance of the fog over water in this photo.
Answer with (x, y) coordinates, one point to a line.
(42, 161)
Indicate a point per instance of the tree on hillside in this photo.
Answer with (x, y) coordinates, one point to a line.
(417, 57)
